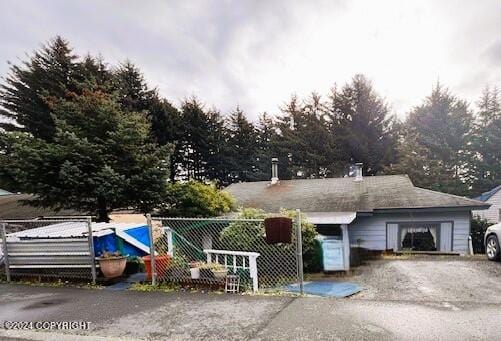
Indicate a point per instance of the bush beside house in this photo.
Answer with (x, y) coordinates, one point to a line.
(195, 199)
(477, 232)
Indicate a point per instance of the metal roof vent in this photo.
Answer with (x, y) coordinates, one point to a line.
(274, 170)
(358, 171)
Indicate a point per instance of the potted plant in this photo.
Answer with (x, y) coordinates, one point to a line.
(161, 264)
(218, 270)
(134, 265)
(178, 268)
(112, 264)
(205, 270)
(195, 269)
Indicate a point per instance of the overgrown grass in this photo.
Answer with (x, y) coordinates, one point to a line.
(162, 287)
(56, 283)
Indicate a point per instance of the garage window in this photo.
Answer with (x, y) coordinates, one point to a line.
(419, 236)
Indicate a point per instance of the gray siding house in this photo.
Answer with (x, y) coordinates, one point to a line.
(374, 212)
(493, 213)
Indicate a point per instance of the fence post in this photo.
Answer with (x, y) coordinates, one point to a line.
(170, 241)
(253, 273)
(91, 250)
(152, 250)
(299, 253)
(5, 252)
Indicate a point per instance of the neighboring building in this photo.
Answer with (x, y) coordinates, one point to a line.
(13, 206)
(375, 212)
(4, 192)
(493, 213)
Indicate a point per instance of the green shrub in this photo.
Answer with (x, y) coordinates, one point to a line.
(276, 258)
(477, 232)
(195, 199)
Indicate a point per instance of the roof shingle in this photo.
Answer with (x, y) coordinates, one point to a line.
(344, 195)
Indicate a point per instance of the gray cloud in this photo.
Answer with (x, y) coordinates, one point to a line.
(493, 53)
(257, 53)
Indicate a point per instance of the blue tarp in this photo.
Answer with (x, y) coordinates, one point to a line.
(327, 289)
(135, 242)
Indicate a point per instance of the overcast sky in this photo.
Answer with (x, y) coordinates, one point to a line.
(257, 53)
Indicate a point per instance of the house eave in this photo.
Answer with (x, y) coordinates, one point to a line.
(431, 209)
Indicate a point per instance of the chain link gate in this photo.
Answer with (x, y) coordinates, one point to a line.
(207, 250)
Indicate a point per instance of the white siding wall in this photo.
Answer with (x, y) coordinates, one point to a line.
(492, 214)
(370, 232)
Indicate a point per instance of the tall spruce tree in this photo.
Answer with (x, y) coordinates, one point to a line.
(132, 90)
(303, 139)
(487, 143)
(166, 129)
(27, 91)
(362, 126)
(266, 134)
(100, 158)
(219, 152)
(242, 141)
(194, 145)
(437, 140)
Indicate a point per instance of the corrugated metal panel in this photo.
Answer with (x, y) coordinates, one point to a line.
(70, 229)
(44, 246)
(49, 260)
(49, 253)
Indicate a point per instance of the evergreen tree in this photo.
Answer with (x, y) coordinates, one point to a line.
(438, 136)
(100, 158)
(28, 90)
(166, 129)
(217, 167)
(266, 134)
(93, 74)
(487, 143)
(242, 141)
(194, 145)
(133, 92)
(362, 127)
(304, 140)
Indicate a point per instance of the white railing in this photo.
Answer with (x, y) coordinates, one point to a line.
(230, 261)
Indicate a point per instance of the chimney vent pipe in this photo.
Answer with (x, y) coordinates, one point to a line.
(358, 171)
(274, 170)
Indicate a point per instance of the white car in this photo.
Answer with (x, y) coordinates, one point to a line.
(491, 242)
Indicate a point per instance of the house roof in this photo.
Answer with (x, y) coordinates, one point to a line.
(11, 207)
(387, 192)
(487, 195)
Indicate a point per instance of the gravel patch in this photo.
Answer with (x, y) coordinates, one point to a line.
(431, 279)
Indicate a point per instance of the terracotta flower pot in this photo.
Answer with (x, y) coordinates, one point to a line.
(113, 267)
(161, 263)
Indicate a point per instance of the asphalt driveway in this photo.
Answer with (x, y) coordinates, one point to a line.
(430, 279)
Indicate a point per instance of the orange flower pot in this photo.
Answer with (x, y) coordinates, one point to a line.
(161, 263)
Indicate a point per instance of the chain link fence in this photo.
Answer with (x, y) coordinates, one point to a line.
(59, 248)
(209, 251)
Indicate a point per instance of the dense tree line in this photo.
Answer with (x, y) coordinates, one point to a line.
(81, 133)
